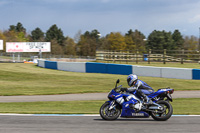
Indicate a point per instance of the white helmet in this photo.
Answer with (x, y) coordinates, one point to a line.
(131, 79)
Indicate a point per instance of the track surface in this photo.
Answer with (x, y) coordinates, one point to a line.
(94, 124)
(86, 96)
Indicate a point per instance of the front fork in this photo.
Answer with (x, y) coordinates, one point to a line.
(112, 105)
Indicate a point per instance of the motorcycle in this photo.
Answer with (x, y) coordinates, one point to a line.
(159, 107)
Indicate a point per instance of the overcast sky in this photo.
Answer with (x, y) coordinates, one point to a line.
(104, 15)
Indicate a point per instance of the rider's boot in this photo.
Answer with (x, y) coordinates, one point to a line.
(136, 106)
(147, 100)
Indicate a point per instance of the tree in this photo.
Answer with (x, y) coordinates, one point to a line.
(135, 40)
(87, 46)
(19, 28)
(178, 39)
(190, 43)
(55, 33)
(37, 34)
(130, 45)
(88, 43)
(159, 40)
(116, 41)
(17, 33)
(103, 44)
(70, 46)
(95, 34)
(56, 49)
(12, 28)
(77, 36)
(22, 37)
(12, 36)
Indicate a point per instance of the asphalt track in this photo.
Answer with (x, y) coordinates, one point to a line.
(86, 96)
(94, 124)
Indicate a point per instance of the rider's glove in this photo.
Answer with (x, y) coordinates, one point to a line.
(123, 89)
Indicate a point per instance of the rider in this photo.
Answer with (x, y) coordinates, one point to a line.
(140, 86)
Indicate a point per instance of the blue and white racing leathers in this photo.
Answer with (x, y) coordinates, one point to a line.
(142, 89)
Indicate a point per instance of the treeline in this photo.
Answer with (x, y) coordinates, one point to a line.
(87, 43)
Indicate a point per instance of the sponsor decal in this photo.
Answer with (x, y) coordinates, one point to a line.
(28, 47)
(137, 114)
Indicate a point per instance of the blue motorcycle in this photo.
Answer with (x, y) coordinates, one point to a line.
(159, 107)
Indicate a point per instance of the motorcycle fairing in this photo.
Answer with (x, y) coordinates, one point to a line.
(131, 113)
(115, 95)
(159, 92)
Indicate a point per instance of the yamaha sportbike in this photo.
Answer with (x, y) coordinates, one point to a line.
(159, 107)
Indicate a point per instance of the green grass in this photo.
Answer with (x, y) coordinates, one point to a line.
(68, 107)
(28, 79)
(187, 106)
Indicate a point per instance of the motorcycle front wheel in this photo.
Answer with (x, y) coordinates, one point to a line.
(107, 114)
(165, 114)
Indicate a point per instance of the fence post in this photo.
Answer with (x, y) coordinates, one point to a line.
(13, 57)
(137, 56)
(127, 56)
(199, 57)
(149, 56)
(18, 57)
(120, 56)
(114, 56)
(182, 56)
(164, 54)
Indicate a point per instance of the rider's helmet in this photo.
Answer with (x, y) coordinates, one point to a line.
(132, 79)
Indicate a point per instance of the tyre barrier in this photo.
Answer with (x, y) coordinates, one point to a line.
(90, 67)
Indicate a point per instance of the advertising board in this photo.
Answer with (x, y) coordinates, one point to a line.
(28, 47)
(1, 44)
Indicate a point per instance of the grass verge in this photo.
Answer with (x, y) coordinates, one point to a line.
(28, 79)
(187, 106)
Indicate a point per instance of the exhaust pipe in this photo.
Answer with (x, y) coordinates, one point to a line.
(155, 107)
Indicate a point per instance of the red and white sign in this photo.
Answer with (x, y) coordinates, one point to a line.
(28, 47)
(1, 44)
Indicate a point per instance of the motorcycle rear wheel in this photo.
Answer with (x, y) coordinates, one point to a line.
(107, 114)
(166, 114)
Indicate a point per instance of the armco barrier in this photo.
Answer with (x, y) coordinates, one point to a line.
(178, 73)
(147, 71)
(41, 63)
(108, 68)
(119, 69)
(96, 67)
(51, 64)
(71, 66)
(90, 67)
(196, 74)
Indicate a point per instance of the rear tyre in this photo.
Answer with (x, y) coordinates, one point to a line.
(107, 114)
(165, 114)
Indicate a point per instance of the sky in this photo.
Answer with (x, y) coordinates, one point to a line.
(73, 16)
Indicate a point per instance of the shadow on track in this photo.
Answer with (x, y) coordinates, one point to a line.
(126, 119)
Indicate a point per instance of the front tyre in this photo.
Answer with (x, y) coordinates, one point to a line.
(165, 114)
(107, 114)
